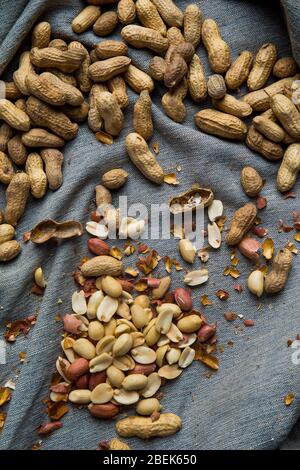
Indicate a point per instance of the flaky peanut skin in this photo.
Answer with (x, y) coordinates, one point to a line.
(289, 168)
(16, 198)
(242, 221)
(145, 428)
(143, 159)
(277, 277)
(217, 49)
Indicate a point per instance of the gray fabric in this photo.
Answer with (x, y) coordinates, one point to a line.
(240, 406)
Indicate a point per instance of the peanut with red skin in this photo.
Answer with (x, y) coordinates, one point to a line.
(98, 247)
(106, 411)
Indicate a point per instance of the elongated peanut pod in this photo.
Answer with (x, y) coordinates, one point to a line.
(111, 113)
(37, 176)
(242, 221)
(220, 124)
(170, 13)
(192, 24)
(238, 72)
(277, 277)
(13, 116)
(143, 159)
(16, 198)
(6, 169)
(257, 142)
(41, 35)
(196, 79)
(287, 113)
(142, 115)
(217, 49)
(262, 68)
(149, 17)
(85, 19)
(53, 160)
(20, 75)
(289, 168)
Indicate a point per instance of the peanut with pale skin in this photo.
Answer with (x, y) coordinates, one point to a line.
(37, 176)
(141, 37)
(7, 233)
(6, 133)
(106, 69)
(14, 117)
(170, 13)
(53, 160)
(100, 265)
(126, 11)
(111, 48)
(157, 68)
(142, 115)
(45, 116)
(173, 104)
(269, 129)
(144, 428)
(117, 87)
(9, 250)
(262, 67)
(6, 169)
(196, 80)
(16, 198)
(217, 49)
(149, 17)
(41, 138)
(143, 159)
(17, 150)
(66, 61)
(277, 277)
(285, 67)
(41, 35)
(220, 124)
(86, 18)
(106, 23)
(239, 70)
(25, 68)
(257, 142)
(251, 181)
(289, 168)
(216, 86)
(111, 113)
(192, 24)
(242, 221)
(231, 105)
(114, 179)
(138, 80)
(287, 113)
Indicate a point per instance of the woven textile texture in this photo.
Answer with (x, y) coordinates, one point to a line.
(239, 407)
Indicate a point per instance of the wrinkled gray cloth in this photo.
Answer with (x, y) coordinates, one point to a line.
(239, 407)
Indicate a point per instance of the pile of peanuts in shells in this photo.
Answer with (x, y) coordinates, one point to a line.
(119, 349)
